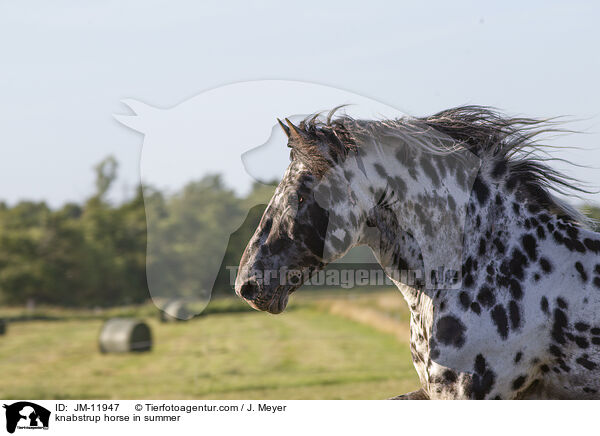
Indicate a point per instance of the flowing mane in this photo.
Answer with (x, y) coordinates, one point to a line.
(509, 145)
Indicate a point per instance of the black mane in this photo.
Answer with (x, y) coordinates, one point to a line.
(506, 142)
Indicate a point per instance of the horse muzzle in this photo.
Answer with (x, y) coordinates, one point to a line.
(272, 300)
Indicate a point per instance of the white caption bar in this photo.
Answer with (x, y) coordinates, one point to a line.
(294, 417)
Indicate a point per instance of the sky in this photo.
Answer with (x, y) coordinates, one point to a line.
(66, 66)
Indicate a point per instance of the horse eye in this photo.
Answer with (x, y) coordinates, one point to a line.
(300, 199)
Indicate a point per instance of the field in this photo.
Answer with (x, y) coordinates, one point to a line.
(337, 346)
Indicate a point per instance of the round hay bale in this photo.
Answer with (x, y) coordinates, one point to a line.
(175, 310)
(3, 324)
(121, 335)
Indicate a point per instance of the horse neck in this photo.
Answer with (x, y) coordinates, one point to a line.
(417, 202)
(437, 217)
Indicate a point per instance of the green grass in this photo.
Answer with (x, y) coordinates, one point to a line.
(305, 353)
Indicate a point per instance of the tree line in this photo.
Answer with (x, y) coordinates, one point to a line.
(94, 253)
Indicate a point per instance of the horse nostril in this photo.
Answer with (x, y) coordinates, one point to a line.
(249, 290)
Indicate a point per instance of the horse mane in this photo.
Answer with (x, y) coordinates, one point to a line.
(509, 144)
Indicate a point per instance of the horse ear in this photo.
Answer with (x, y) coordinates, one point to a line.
(285, 128)
(295, 132)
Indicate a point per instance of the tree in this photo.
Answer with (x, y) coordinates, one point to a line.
(594, 213)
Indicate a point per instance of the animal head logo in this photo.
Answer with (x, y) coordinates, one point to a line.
(221, 131)
(26, 415)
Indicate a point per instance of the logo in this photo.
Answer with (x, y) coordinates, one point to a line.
(26, 415)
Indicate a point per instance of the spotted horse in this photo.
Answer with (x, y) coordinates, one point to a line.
(515, 315)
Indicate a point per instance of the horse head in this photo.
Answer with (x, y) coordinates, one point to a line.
(313, 219)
